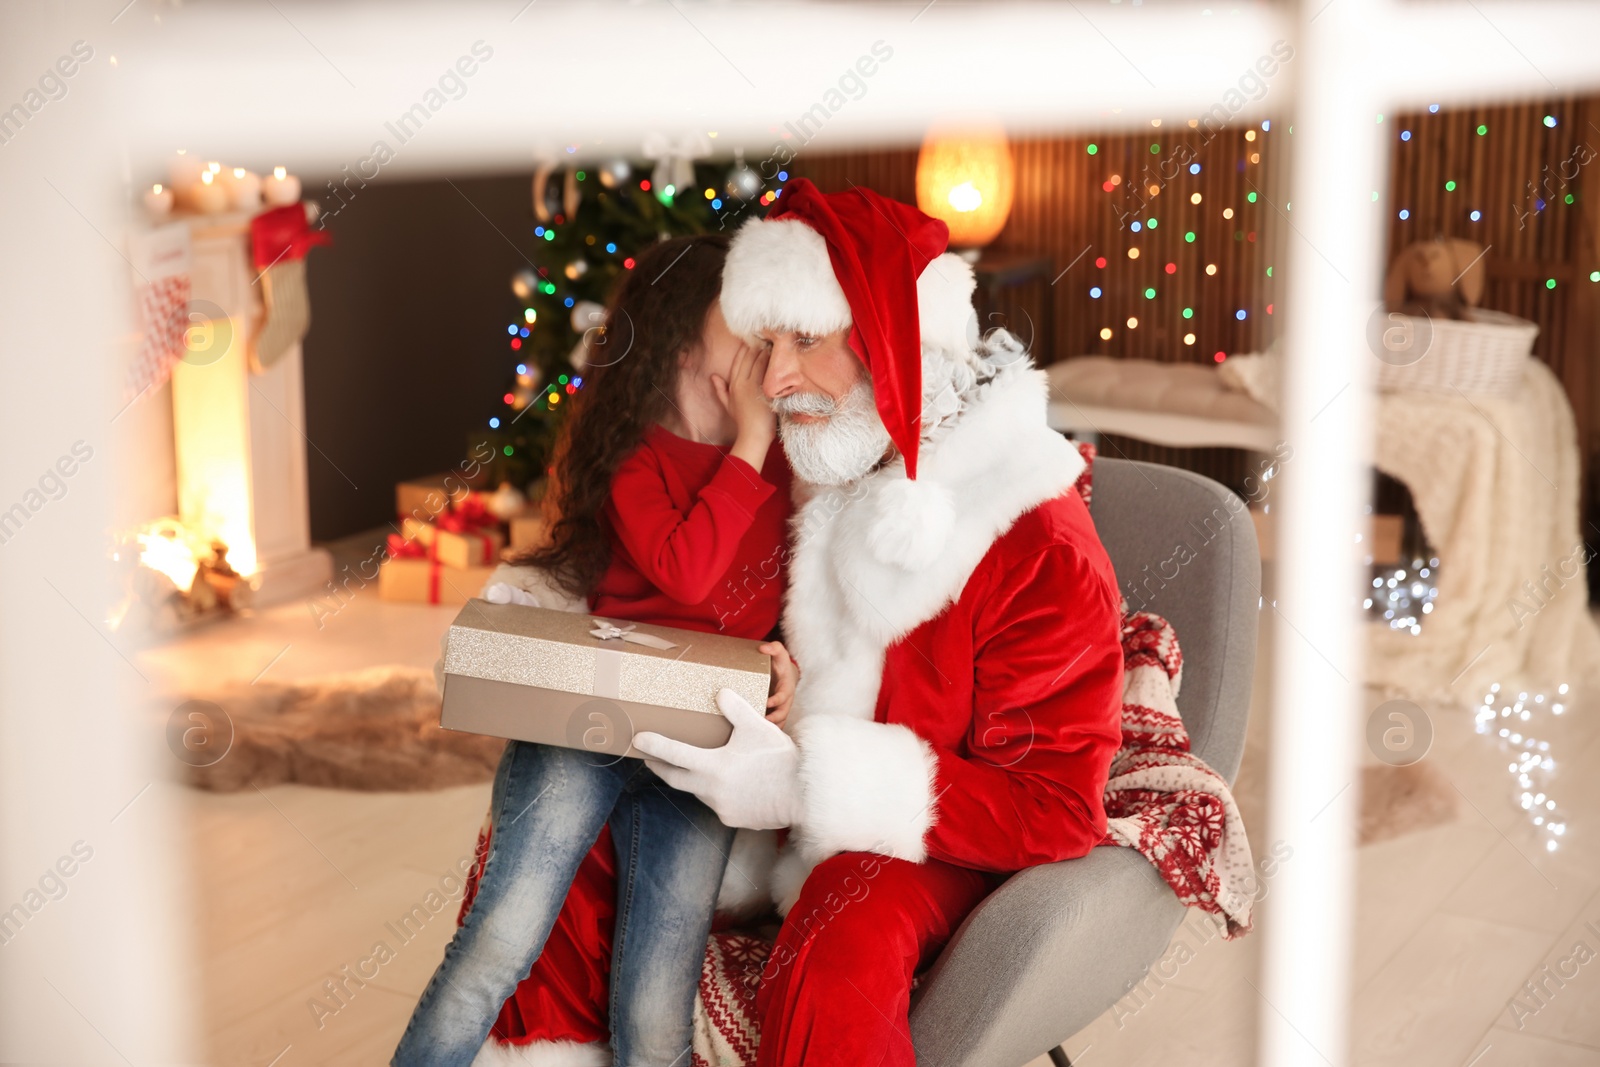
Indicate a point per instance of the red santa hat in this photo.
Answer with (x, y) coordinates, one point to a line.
(820, 262)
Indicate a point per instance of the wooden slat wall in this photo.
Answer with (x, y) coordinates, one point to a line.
(1062, 209)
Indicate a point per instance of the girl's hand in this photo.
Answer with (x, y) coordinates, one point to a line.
(785, 676)
(753, 419)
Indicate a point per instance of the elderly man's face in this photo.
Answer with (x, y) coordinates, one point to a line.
(803, 363)
(827, 415)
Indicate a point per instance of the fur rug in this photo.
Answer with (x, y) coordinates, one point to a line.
(376, 729)
(1402, 800)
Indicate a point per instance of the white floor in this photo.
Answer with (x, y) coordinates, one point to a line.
(295, 884)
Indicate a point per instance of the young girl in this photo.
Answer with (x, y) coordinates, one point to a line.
(670, 490)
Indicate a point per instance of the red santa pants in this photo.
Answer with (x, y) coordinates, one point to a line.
(836, 991)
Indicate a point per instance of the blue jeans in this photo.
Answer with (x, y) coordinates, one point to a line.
(549, 804)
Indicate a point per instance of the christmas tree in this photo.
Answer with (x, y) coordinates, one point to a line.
(586, 227)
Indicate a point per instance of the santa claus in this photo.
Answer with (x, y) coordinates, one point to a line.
(955, 616)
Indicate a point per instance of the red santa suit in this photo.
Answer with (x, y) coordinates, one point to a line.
(959, 630)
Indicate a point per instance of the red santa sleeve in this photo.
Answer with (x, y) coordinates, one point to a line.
(1028, 785)
(1046, 721)
(684, 553)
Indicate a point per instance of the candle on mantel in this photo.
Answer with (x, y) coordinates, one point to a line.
(207, 196)
(282, 188)
(183, 170)
(158, 201)
(245, 190)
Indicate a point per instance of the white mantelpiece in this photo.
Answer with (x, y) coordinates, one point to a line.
(240, 444)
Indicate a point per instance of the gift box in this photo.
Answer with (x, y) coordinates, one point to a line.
(427, 581)
(577, 681)
(410, 573)
(528, 530)
(455, 542)
(425, 498)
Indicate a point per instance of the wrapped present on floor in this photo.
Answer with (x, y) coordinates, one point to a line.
(411, 574)
(577, 681)
(431, 496)
(528, 529)
(467, 535)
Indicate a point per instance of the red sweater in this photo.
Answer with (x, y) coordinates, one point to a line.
(699, 538)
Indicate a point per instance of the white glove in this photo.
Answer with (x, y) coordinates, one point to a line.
(506, 593)
(753, 781)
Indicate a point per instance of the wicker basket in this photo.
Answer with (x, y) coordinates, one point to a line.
(1484, 355)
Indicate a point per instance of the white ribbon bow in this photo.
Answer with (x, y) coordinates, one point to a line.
(610, 631)
(675, 159)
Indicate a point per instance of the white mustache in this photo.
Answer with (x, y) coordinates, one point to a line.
(819, 404)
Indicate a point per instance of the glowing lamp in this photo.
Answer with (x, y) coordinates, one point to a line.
(966, 178)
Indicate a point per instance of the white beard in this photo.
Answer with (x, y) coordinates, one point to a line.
(847, 442)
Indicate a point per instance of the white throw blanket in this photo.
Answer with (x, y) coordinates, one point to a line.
(1495, 484)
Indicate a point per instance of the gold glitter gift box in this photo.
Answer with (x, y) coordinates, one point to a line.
(580, 681)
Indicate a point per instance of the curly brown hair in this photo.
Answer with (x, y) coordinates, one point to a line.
(632, 372)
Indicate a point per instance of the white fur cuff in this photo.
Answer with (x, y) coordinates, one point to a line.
(865, 787)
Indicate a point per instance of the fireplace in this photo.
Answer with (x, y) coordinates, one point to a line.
(242, 531)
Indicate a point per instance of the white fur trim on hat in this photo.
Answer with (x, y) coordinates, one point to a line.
(778, 277)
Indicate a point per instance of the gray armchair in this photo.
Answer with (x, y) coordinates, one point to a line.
(1057, 945)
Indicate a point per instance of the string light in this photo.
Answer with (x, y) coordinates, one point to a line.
(1401, 596)
(1188, 338)
(1516, 727)
(1105, 333)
